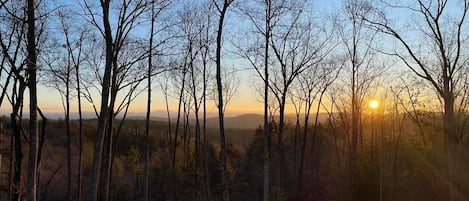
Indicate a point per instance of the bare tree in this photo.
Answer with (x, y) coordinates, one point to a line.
(103, 114)
(266, 134)
(263, 24)
(61, 66)
(154, 50)
(120, 73)
(222, 9)
(297, 46)
(361, 72)
(77, 62)
(196, 28)
(191, 26)
(205, 40)
(438, 58)
(180, 100)
(19, 45)
(313, 85)
(12, 42)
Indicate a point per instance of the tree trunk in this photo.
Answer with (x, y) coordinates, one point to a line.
(198, 149)
(208, 191)
(18, 153)
(266, 134)
(354, 125)
(147, 120)
(69, 144)
(178, 119)
(313, 144)
(452, 142)
(280, 174)
(110, 132)
(299, 180)
(175, 141)
(42, 138)
(107, 169)
(12, 164)
(224, 171)
(33, 123)
(103, 115)
(80, 135)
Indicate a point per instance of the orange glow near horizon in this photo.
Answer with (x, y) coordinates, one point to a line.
(244, 102)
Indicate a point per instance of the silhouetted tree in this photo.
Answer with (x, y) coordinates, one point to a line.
(222, 10)
(361, 70)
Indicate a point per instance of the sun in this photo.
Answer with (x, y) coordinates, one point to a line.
(374, 104)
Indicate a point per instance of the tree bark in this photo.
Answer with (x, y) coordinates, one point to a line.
(280, 174)
(147, 120)
(18, 154)
(68, 131)
(80, 135)
(104, 114)
(451, 139)
(224, 168)
(208, 191)
(266, 134)
(33, 123)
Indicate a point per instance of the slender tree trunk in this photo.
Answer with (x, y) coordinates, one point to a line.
(181, 96)
(33, 123)
(198, 149)
(299, 180)
(313, 144)
(18, 153)
(41, 140)
(146, 189)
(266, 134)
(354, 143)
(175, 141)
(168, 116)
(110, 134)
(196, 106)
(107, 169)
(2, 148)
(224, 170)
(104, 114)
(208, 192)
(147, 120)
(69, 144)
(295, 140)
(451, 140)
(12, 162)
(185, 122)
(280, 174)
(80, 135)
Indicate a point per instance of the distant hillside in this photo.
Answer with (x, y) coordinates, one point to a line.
(252, 121)
(244, 121)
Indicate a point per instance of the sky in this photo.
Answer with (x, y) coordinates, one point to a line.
(245, 99)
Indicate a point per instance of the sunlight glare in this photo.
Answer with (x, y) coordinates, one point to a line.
(374, 104)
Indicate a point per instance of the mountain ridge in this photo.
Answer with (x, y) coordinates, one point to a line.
(242, 121)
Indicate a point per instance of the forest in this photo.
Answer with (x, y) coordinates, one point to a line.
(352, 100)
